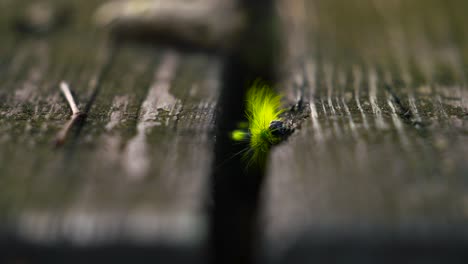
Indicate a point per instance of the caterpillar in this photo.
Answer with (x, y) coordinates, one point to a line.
(265, 126)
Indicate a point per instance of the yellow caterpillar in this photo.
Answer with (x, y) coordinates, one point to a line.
(265, 126)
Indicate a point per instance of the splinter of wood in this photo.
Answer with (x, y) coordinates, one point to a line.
(77, 115)
(68, 95)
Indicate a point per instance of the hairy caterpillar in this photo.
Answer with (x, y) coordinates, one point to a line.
(265, 126)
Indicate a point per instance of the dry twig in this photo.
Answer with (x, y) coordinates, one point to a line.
(77, 115)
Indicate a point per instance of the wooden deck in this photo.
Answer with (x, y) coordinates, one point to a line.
(135, 172)
(377, 174)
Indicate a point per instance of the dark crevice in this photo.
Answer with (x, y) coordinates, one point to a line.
(236, 187)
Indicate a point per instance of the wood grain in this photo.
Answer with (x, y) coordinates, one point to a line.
(384, 152)
(377, 172)
(135, 171)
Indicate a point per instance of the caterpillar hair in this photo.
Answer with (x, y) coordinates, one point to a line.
(265, 127)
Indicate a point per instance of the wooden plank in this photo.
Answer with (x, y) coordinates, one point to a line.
(381, 163)
(133, 174)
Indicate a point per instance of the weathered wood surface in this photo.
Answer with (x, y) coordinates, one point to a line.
(380, 164)
(380, 169)
(135, 171)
